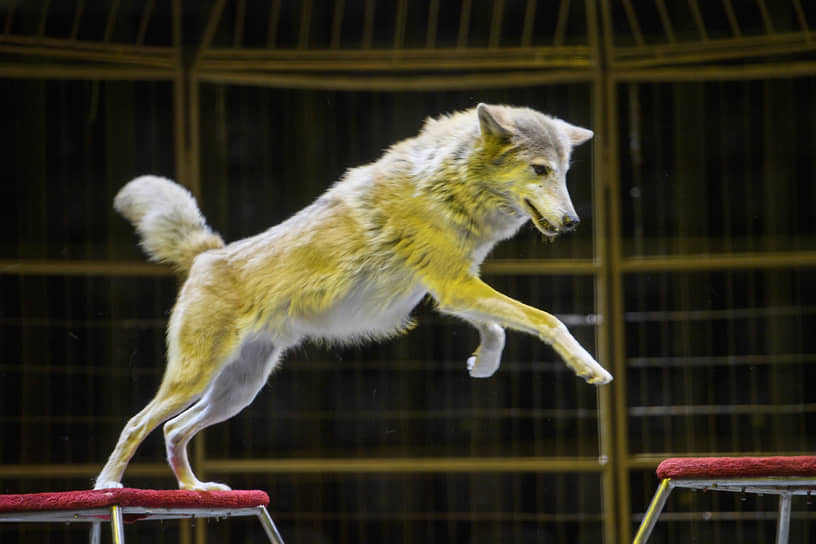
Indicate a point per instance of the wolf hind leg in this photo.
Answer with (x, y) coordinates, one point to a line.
(191, 366)
(167, 403)
(486, 359)
(231, 391)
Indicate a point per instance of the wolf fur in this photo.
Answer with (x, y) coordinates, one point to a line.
(351, 266)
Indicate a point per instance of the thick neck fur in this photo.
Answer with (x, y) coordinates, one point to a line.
(441, 177)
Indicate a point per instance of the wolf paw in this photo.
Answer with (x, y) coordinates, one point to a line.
(207, 486)
(478, 368)
(102, 484)
(486, 359)
(586, 367)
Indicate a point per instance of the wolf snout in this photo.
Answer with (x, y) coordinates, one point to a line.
(569, 222)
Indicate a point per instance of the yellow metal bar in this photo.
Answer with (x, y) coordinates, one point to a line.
(409, 465)
(87, 470)
(651, 515)
(83, 268)
(368, 24)
(179, 98)
(57, 71)
(634, 25)
(407, 83)
(209, 31)
(305, 24)
(464, 24)
(433, 25)
(494, 39)
(698, 53)
(679, 263)
(337, 24)
(732, 18)
(541, 266)
(698, 19)
(561, 24)
(248, 60)
(615, 256)
(529, 23)
(603, 340)
(117, 525)
(665, 20)
(146, 13)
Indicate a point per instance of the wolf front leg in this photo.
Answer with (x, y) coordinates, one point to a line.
(473, 300)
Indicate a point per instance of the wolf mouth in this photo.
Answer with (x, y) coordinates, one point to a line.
(546, 228)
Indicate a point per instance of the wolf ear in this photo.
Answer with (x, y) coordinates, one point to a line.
(492, 122)
(576, 135)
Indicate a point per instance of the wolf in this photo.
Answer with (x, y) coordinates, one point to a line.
(351, 266)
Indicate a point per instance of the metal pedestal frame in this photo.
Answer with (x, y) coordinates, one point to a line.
(785, 487)
(116, 515)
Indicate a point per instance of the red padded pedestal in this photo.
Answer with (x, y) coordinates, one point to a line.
(123, 505)
(146, 498)
(715, 468)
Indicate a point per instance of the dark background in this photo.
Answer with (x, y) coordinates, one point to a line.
(691, 277)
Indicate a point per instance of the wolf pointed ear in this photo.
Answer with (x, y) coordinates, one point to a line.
(492, 122)
(576, 135)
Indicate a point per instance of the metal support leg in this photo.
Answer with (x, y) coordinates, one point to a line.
(269, 526)
(651, 515)
(95, 535)
(783, 523)
(117, 526)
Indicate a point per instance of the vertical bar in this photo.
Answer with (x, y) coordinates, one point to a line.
(783, 523)
(95, 532)
(274, 19)
(337, 24)
(180, 99)
(665, 20)
(766, 18)
(117, 527)
(185, 531)
(496, 24)
(305, 24)
(146, 12)
(600, 160)
(368, 23)
(529, 23)
(464, 24)
(653, 512)
(698, 19)
(732, 18)
(194, 151)
(614, 255)
(399, 25)
(800, 17)
(114, 11)
(561, 25)
(44, 19)
(209, 32)
(631, 16)
(238, 33)
(433, 24)
(77, 18)
(269, 526)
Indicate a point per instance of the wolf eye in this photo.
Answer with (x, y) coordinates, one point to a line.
(542, 169)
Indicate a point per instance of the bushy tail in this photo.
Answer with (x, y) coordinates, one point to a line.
(167, 219)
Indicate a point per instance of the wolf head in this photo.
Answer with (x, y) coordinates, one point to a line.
(526, 154)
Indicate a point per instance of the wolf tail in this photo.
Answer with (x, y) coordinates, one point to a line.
(167, 219)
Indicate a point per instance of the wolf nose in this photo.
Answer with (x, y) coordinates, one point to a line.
(569, 222)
